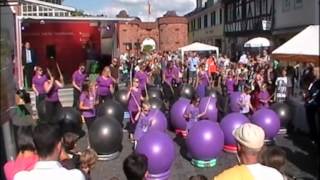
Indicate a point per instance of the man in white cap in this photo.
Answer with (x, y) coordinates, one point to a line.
(250, 140)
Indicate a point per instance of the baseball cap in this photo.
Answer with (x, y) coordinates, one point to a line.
(249, 135)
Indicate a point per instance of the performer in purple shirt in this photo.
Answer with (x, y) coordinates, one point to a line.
(143, 122)
(105, 87)
(264, 97)
(230, 83)
(202, 81)
(135, 98)
(51, 87)
(38, 81)
(192, 113)
(169, 78)
(78, 77)
(142, 75)
(87, 103)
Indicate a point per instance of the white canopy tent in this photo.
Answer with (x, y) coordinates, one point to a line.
(257, 42)
(303, 47)
(198, 47)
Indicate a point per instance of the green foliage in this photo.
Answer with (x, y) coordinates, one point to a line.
(79, 12)
(147, 48)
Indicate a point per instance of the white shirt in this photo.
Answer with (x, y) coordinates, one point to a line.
(261, 172)
(244, 103)
(243, 59)
(49, 170)
(281, 83)
(28, 56)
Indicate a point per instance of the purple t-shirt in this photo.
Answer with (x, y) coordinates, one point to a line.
(263, 95)
(143, 78)
(194, 112)
(78, 77)
(203, 78)
(135, 97)
(88, 101)
(169, 74)
(104, 85)
(230, 85)
(38, 82)
(52, 95)
(144, 123)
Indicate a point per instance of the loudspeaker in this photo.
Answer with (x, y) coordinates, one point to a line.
(51, 51)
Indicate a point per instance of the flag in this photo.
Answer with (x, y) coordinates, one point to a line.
(149, 7)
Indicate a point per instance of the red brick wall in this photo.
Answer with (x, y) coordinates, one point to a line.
(169, 33)
(173, 36)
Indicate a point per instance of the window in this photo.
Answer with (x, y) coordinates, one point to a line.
(199, 23)
(285, 5)
(221, 16)
(257, 7)
(205, 21)
(298, 4)
(213, 18)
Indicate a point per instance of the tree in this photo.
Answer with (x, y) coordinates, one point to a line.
(147, 48)
(78, 12)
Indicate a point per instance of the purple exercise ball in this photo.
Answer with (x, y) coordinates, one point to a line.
(212, 112)
(176, 113)
(229, 123)
(268, 120)
(160, 150)
(234, 101)
(159, 120)
(205, 140)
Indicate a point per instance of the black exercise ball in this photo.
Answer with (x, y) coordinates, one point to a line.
(187, 91)
(122, 97)
(156, 103)
(105, 136)
(283, 111)
(111, 108)
(212, 93)
(154, 92)
(70, 120)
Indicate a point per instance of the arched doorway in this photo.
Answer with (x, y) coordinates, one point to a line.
(148, 45)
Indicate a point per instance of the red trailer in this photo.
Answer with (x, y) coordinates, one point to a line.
(63, 39)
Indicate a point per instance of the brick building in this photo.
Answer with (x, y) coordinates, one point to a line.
(169, 33)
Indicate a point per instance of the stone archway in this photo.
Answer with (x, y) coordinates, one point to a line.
(148, 44)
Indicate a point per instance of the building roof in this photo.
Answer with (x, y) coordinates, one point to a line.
(52, 5)
(68, 18)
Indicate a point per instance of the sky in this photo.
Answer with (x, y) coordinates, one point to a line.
(134, 7)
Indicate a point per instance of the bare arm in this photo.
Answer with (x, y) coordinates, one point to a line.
(35, 90)
(136, 118)
(48, 85)
(59, 84)
(75, 85)
(111, 88)
(83, 107)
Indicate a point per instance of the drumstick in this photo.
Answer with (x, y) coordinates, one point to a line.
(131, 70)
(147, 95)
(207, 104)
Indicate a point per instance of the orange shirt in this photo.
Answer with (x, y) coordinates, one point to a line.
(212, 66)
(235, 173)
